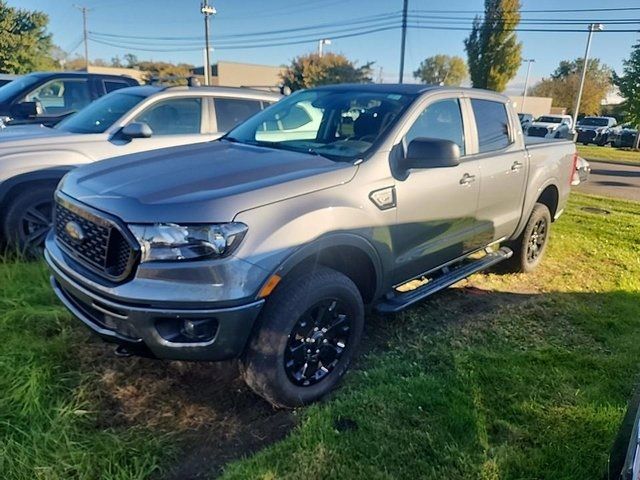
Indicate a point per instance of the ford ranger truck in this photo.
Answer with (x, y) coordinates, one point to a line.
(270, 244)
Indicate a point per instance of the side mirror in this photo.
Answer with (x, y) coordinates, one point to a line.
(137, 130)
(25, 110)
(431, 153)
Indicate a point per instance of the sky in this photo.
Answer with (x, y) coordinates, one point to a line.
(182, 18)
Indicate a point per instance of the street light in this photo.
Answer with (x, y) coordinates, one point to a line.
(526, 82)
(593, 27)
(207, 10)
(322, 43)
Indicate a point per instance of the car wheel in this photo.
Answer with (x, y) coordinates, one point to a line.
(529, 248)
(307, 334)
(28, 219)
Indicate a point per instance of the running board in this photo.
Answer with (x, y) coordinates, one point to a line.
(448, 276)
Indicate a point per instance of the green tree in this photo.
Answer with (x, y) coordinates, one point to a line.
(630, 88)
(164, 72)
(311, 70)
(25, 44)
(493, 50)
(564, 82)
(442, 70)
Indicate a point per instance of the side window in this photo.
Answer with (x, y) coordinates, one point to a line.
(441, 120)
(232, 111)
(61, 96)
(111, 85)
(492, 123)
(177, 116)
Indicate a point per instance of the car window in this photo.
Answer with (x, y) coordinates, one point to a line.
(62, 95)
(176, 116)
(112, 85)
(492, 123)
(441, 120)
(233, 111)
(296, 117)
(101, 114)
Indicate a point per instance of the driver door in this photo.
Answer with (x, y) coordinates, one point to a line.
(436, 207)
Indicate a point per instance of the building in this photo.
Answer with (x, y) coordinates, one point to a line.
(126, 72)
(536, 106)
(233, 74)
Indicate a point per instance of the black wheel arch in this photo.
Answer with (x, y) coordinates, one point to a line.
(348, 253)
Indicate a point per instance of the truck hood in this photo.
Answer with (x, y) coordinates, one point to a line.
(202, 183)
(545, 125)
(591, 127)
(29, 138)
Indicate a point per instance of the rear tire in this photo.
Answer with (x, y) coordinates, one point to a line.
(529, 248)
(308, 332)
(29, 218)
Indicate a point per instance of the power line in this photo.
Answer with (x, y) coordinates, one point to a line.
(568, 10)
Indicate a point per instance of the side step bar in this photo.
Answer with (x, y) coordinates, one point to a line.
(439, 281)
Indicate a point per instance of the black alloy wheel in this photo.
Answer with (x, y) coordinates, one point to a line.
(317, 342)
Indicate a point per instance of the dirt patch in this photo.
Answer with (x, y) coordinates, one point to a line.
(216, 417)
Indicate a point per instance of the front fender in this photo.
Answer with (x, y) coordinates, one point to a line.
(51, 175)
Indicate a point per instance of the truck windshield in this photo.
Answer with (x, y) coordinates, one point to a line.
(10, 90)
(549, 119)
(594, 122)
(98, 116)
(338, 124)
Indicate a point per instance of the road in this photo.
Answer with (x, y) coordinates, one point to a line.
(613, 180)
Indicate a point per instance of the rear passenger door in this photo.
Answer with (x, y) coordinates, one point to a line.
(503, 166)
(229, 112)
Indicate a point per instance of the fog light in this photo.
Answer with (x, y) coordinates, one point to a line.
(201, 330)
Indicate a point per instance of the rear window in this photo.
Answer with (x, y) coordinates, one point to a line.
(492, 122)
(233, 111)
(112, 85)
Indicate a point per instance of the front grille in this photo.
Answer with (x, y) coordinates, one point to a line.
(537, 132)
(101, 245)
(586, 136)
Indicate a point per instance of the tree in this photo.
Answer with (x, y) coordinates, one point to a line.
(442, 70)
(164, 72)
(564, 82)
(311, 70)
(630, 88)
(493, 50)
(25, 45)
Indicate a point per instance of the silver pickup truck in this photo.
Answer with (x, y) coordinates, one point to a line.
(269, 244)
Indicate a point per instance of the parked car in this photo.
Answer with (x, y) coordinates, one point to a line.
(551, 126)
(269, 250)
(595, 130)
(583, 169)
(48, 97)
(7, 78)
(623, 136)
(33, 158)
(526, 119)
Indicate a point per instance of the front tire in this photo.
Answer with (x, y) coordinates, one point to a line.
(308, 333)
(29, 218)
(529, 248)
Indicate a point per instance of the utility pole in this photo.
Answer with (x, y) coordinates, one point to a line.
(84, 11)
(405, 7)
(207, 10)
(526, 82)
(593, 27)
(322, 43)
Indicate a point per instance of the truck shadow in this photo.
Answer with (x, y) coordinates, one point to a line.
(216, 419)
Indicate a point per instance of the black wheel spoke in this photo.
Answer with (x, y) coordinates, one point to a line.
(36, 217)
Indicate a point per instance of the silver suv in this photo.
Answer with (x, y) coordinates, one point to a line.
(268, 244)
(34, 158)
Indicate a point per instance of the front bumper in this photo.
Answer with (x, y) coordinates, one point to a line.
(156, 329)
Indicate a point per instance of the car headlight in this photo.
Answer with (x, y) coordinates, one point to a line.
(169, 241)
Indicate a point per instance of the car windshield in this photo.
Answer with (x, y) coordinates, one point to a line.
(337, 124)
(98, 116)
(8, 91)
(594, 122)
(549, 119)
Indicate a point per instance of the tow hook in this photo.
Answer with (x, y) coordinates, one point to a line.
(122, 351)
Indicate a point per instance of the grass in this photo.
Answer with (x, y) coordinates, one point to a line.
(611, 154)
(505, 376)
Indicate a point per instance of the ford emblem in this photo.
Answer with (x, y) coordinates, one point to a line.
(74, 231)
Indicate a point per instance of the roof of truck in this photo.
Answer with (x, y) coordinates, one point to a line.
(403, 88)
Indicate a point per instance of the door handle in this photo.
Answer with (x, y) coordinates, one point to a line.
(467, 179)
(516, 166)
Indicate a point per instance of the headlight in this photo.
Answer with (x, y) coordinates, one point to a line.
(169, 241)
